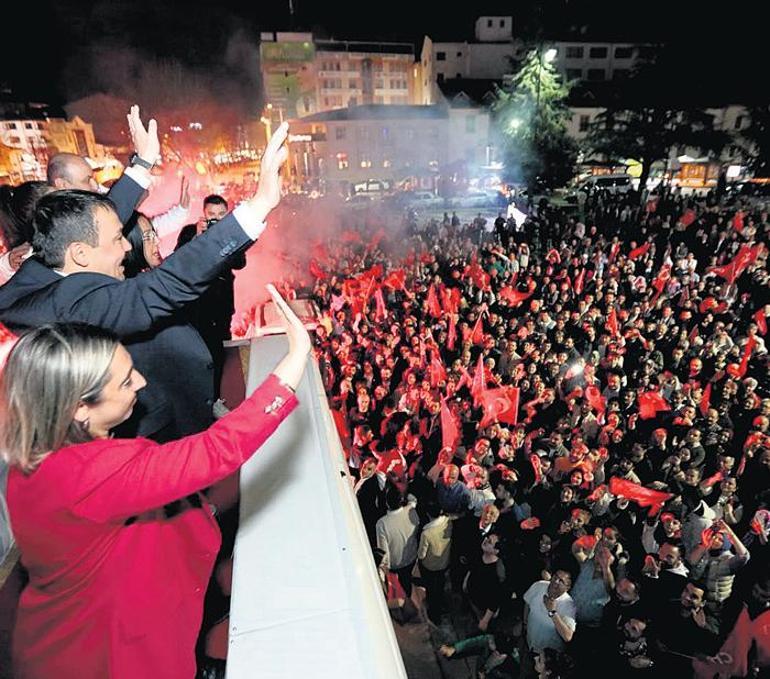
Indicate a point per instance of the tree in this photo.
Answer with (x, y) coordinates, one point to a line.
(644, 121)
(531, 115)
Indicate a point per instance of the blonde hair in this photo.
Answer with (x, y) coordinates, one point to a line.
(50, 372)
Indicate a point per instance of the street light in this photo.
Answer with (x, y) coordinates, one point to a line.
(550, 55)
(514, 124)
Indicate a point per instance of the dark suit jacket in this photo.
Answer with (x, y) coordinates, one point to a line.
(124, 195)
(136, 310)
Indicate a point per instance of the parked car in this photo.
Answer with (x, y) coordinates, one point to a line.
(613, 183)
(425, 200)
(473, 198)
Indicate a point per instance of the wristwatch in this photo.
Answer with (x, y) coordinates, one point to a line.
(551, 613)
(135, 159)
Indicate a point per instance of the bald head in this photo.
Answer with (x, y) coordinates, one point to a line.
(70, 171)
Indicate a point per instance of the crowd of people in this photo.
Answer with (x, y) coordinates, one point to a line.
(559, 425)
(563, 426)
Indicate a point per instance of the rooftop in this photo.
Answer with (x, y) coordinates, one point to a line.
(377, 112)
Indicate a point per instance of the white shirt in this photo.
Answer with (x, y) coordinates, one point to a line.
(397, 537)
(541, 630)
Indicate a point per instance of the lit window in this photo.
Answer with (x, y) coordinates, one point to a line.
(386, 163)
(342, 161)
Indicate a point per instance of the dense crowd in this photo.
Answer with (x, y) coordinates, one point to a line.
(563, 423)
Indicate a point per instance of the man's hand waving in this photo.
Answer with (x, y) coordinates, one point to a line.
(146, 142)
(269, 190)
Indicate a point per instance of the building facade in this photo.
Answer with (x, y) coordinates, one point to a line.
(404, 146)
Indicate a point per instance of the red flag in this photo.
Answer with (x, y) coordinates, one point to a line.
(350, 236)
(478, 276)
(452, 333)
(640, 251)
(662, 278)
(644, 497)
(614, 250)
(537, 467)
(553, 256)
(437, 370)
(450, 432)
(705, 400)
(738, 221)
(688, 217)
(761, 321)
(341, 425)
(595, 398)
(515, 297)
(381, 312)
(712, 480)
(612, 323)
(316, 271)
(579, 280)
(477, 336)
(499, 406)
(746, 356)
(395, 280)
(651, 403)
(320, 252)
(376, 238)
(434, 308)
(479, 383)
(743, 260)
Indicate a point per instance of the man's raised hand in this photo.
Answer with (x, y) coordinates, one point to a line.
(146, 142)
(269, 190)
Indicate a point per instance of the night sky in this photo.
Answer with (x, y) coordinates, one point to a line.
(48, 44)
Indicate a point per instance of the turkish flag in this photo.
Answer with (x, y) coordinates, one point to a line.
(316, 271)
(477, 336)
(738, 221)
(745, 258)
(640, 251)
(452, 332)
(746, 356)
(705, 400)
(434, 308)
(761, 321)
(595, 398)
(612, 323)
(479, 277)
(450, 432)
(479, 383)
(395, 280)
(350, 236)
(688, 217)
(500, 405)
(381, 312)
(662, 278)
(579, 280)
(515, 297)
(437, 370)
(644, 497)
(651, 403)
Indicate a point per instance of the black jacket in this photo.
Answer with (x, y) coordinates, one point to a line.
(138, 310)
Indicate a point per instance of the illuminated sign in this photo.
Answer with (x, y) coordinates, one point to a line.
(300, 137)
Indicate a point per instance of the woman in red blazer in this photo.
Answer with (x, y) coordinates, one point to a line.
(115, 588)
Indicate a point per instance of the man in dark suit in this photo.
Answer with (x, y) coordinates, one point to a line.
(77, 275)
(212, 313)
